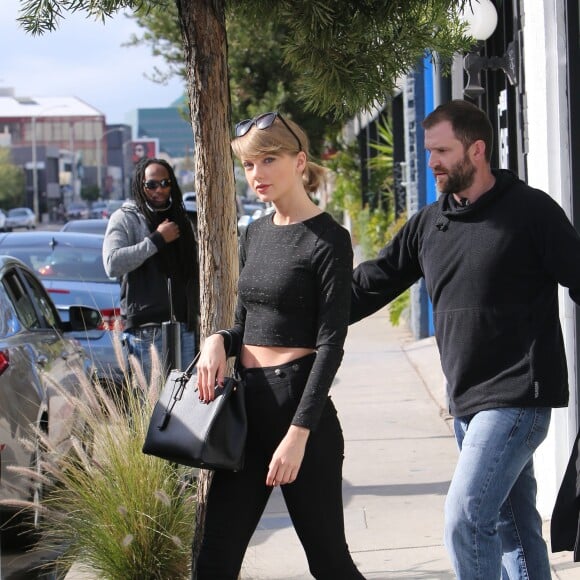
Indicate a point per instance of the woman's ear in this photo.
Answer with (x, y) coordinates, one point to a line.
(301, 161)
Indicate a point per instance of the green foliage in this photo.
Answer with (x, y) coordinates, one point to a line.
(162, 33)
(108, 506)
(348, 55)
(90, 193)
(373, 214)
(39, 16)
(372, 227)
(258, 80)
(12, 193)
(384, 148)
(345, 166)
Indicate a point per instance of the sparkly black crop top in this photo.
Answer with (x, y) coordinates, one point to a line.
(294, 291)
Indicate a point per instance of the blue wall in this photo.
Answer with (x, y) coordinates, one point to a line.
(427, 193)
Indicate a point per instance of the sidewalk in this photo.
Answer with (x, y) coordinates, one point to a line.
(399, 459)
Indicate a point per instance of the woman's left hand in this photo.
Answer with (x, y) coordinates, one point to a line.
(288, 456)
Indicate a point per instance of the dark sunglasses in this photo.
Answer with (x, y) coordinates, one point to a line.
(153, 184)
(264, 121)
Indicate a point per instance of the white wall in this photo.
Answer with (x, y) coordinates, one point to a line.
(546, 126)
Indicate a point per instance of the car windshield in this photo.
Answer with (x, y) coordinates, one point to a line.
(63, 262)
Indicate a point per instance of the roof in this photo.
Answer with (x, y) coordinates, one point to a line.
(18, 106)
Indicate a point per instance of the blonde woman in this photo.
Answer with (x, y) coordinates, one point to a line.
(290, 326)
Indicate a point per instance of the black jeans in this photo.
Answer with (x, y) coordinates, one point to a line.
(236, 501)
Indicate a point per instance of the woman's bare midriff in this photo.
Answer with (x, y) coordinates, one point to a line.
(270, 356)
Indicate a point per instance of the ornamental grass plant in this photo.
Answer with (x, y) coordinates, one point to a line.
(107, 506)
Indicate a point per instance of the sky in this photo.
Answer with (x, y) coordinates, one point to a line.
(84, 59)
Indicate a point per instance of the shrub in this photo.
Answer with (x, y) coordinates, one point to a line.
(108, 506)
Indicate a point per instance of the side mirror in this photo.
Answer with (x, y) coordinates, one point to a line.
(83, 318)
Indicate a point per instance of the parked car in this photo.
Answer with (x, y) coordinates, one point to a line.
(90, 226)
(76, 210)
(98, 209)
(70, 266)
(20, 217)
(37, 353)
(245, 220)
(243, 223)
(113, 205)
(104, 209)
(251, 205)
(3, 218)
(190, 203)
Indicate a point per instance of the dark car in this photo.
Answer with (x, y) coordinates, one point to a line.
(40, 366)
(70, 266)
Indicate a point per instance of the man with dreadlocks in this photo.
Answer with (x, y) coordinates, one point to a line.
(149, 241)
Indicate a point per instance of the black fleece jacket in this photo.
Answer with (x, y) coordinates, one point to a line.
(492, 271)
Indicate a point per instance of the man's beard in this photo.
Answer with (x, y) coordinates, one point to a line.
(459, 178)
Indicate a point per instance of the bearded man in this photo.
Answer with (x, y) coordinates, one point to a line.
(492, 251)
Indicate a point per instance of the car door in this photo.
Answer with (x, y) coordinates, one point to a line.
(62, 362)
(38, 367)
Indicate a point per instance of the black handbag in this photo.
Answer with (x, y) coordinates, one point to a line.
(187, 431)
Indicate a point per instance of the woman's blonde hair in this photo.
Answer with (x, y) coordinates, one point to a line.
(276, 140)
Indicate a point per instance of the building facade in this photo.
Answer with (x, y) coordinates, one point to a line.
(60, 142)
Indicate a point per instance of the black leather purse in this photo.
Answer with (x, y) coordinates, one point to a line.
(184, 430)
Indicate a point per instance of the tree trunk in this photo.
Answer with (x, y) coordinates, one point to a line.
(204, 39)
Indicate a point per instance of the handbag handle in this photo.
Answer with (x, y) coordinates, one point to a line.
(176, 393)
(189, 370)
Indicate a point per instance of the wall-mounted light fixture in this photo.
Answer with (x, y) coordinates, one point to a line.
(481, 19)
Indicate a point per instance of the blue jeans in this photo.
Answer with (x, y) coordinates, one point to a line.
(492, 527)
(139, 341)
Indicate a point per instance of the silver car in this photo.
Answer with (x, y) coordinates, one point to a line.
(70, 266)
(20, 217)
(40, 363)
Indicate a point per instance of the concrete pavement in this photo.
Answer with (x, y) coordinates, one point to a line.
(399, 459)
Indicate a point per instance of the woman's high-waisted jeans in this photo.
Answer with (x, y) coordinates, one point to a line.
(236, 500)
(492, 527)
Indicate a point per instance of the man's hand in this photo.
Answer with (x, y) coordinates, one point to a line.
(169, 231)
(288, 457)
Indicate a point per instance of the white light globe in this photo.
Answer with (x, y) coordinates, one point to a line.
(480, 17)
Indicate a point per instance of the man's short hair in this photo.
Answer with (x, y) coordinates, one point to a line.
(469, 123)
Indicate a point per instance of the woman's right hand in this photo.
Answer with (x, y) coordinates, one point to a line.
(211, 367)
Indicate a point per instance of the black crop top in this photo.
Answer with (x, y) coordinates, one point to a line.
(294, 291)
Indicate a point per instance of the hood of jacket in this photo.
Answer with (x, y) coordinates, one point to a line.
(451, 210)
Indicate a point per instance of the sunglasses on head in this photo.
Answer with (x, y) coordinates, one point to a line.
(153, 184)
(264, 121)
